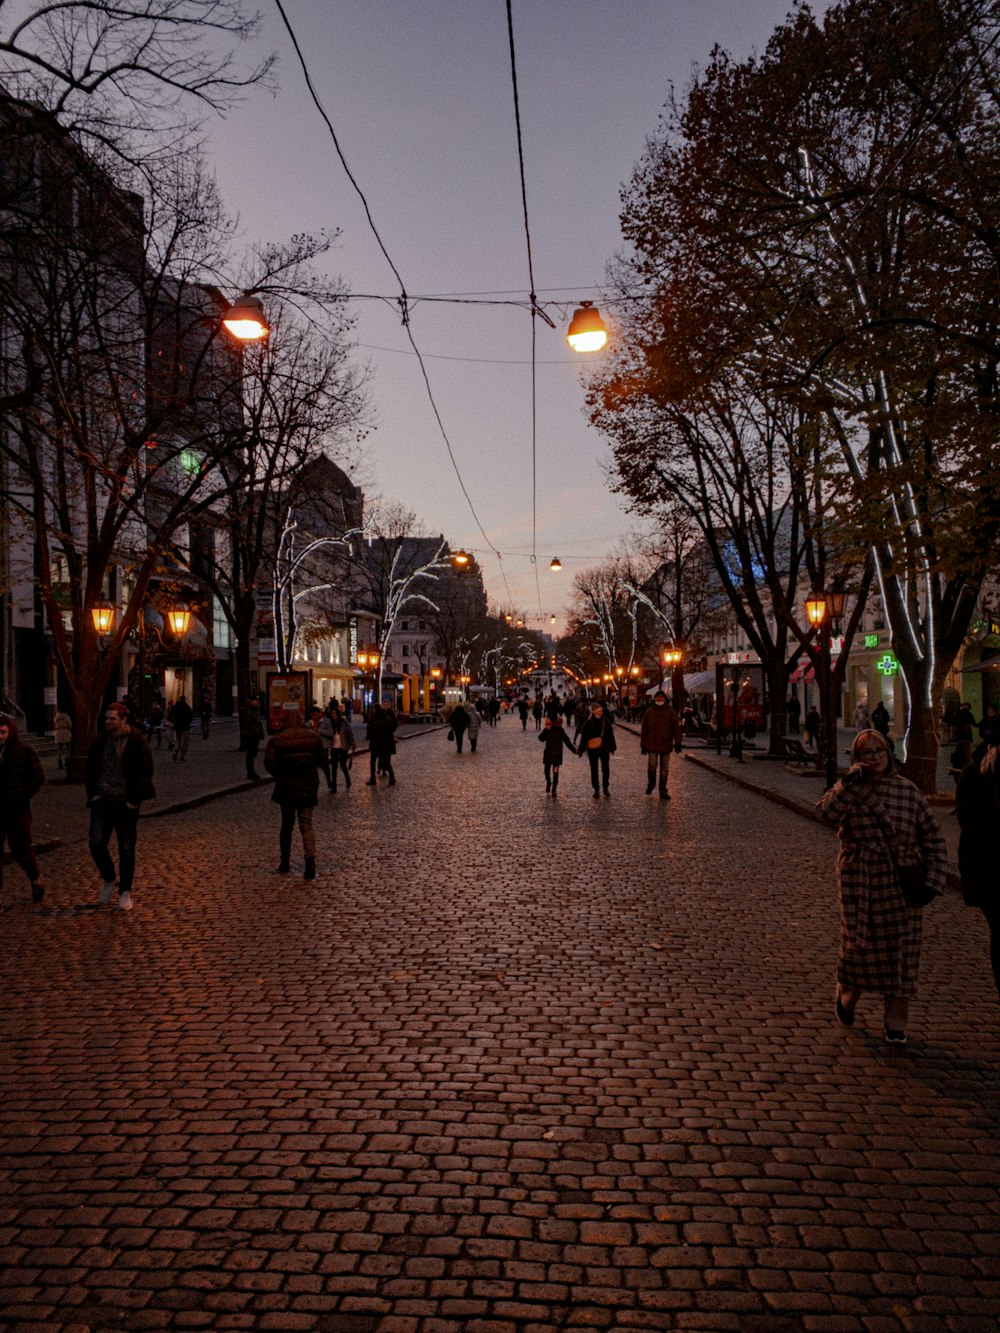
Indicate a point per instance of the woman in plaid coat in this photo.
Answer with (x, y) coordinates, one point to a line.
(883, 820)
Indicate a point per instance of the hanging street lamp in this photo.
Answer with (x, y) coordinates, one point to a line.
(587, 330)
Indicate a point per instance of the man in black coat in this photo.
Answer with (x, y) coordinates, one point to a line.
(253, 734)
(295, 755)
(118, 777)
(21, 776)
(180, 716)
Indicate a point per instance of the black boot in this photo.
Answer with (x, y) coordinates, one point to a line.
(310, 870)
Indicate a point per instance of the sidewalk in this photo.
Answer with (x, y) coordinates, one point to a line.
(213, 768)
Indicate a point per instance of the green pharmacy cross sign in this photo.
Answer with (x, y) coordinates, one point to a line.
(888, 666)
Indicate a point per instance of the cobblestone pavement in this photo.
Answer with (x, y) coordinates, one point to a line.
(509, 1063)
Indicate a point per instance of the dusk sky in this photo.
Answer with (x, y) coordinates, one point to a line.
(420, 96)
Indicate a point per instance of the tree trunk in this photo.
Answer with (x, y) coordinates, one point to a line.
(87, 708)
(923, 739)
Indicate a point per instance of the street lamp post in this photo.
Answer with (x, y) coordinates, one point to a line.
(822, 609)
(673, 657)
(367, 658)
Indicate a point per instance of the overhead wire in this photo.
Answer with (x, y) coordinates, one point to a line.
(404, 300)
(536, 310)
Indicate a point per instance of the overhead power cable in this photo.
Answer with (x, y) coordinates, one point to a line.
(403, 301)
(536, 311)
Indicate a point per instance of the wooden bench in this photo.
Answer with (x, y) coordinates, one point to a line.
(796, 752)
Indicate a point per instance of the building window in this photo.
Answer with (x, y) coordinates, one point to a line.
(222, 632)
(405, 650)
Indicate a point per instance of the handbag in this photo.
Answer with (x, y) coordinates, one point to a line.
(451, 735)
(912, 880)
(913, 884)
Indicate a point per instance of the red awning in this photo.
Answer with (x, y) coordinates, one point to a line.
(804, 673)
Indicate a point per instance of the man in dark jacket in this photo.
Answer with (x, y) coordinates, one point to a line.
(659, 734)
(118, 777)
(458, 722)
(180, 716)
(253, 734)
(380, 734)
(21, 776)
(295, 755)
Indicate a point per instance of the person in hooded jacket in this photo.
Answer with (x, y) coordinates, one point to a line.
(294, 756)
(659, 734)
(21, 776)
(458, 723)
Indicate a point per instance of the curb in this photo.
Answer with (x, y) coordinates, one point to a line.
(193, 802)
(789, 802)
(203, 798)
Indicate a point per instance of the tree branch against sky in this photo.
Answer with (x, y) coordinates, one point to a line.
(129, 75)
(826, 216)
(123, 414)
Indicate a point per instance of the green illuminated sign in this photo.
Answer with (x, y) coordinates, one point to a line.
(888, 666)
(871, 640)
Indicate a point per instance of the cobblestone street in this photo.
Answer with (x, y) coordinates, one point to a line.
(509, 1063)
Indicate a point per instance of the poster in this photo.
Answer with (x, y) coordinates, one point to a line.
(287, 690)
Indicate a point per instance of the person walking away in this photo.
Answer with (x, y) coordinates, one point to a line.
(205, 714)
(884, 824)
(62, 731)
(381, 743)
(964, 722)
(554, 738)
(294, 757)
(494, 711)
(537, 709)
(154, 723)
(977, 804)
(659, 734)
(475, 722)
(180, 717)
(21, 777)
(458, 723)
(118, 777)
(881, 719)
(253, 737)
(810, 726)
(342, 746)
(597, 742)
(522, 712)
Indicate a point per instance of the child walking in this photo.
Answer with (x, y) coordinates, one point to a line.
(553, 738)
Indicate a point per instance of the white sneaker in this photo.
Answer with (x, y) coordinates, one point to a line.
(106, 893)
(125, 901)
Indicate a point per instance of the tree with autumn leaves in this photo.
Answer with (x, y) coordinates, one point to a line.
(813, 240)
